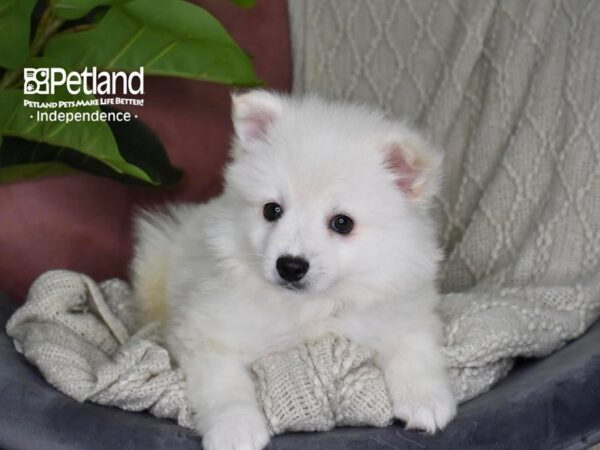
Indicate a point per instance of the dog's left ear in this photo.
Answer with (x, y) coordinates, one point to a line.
(253, 112)
(415, 162)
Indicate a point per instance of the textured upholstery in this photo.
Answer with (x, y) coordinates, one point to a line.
(510, 89)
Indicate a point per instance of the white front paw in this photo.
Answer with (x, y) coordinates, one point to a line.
(237, 429)
(423, 407)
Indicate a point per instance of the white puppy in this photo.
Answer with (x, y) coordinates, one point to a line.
(322, 226)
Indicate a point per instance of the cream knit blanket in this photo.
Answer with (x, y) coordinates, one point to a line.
(82, 338)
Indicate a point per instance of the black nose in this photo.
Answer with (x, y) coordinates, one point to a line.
(291, 268)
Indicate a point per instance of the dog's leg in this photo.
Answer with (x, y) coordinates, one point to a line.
(222, 394)
(417, 381)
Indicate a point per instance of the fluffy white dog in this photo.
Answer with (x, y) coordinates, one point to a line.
(322, 226)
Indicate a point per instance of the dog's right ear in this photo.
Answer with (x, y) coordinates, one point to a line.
(253, 113)
(414, 161)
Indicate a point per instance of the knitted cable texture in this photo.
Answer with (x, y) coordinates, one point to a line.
(511, 90)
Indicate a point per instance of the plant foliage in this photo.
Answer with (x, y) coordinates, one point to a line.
(169, 38)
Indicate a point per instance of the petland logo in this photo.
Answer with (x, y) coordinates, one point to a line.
(83, 86)
(91, 82)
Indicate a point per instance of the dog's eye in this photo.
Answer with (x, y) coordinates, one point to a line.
(342, 224)
(272, 211)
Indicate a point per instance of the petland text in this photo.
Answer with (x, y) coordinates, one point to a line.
(45, 80)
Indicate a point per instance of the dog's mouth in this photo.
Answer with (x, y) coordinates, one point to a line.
(296, 286)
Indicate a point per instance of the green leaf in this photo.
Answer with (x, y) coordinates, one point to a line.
(93, 139)
(141, 147)
(22, 159)
(170, 37)
(76, 9)
(14, 32)
(244, 3)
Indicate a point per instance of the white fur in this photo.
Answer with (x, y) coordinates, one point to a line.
(223, 305)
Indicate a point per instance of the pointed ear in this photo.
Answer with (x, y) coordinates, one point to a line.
(253, 113)
(415, 162)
